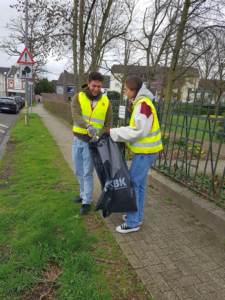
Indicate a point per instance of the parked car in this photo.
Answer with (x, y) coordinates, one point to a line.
(8, 104)
(17, 101)
(20, 100)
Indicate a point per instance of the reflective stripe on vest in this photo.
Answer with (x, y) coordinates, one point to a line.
(143, 145)
(93, 120)
(95, 117)
(152, 143)
(154, 133)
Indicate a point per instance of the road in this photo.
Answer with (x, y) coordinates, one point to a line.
(6, 122)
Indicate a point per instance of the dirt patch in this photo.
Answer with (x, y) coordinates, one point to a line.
(6, 171)
(11, 145)
(45, 290)
(4, 253)
(61, 187)
(5, 175)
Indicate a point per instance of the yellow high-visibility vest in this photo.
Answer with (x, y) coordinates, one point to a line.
(94, 117)
(151, 143)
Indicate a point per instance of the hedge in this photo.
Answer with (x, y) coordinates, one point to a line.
(59, 108)
(63, 109)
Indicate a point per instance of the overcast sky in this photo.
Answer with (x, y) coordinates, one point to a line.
(53, 66)
(7, 13)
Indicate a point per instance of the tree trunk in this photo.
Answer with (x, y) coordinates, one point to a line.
(148, 66)
(98, 43)
(176, 51)
(75, 60)
(82, 43)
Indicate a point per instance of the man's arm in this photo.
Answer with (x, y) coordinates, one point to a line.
(76, 112)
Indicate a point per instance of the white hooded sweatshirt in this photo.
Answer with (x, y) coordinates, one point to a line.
(143, 123)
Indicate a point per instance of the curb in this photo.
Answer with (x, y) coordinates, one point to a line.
(207, 212)
(3, 144)
(6, 138)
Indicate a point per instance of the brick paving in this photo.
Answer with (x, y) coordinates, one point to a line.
(175, 255)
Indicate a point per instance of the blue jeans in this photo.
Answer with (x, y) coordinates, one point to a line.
(140, 166)
(83, 166)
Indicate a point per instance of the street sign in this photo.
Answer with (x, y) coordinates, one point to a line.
(26, 58)
(25, 72)
(122, 112)
(70, 90)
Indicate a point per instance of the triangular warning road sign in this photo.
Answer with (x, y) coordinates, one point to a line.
(26, 58)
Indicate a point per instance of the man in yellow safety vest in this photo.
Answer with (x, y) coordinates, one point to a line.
(92, 117)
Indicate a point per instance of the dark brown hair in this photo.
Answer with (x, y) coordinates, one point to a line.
(134, 83)
(95, 76)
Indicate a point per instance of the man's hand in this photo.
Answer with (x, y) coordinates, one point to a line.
(94, 139)
(91, 131)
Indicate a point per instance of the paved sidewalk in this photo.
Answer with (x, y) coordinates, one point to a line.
(175, 255)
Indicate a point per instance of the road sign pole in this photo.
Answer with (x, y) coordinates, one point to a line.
(31, 96)
(26, 46)
(26, 61)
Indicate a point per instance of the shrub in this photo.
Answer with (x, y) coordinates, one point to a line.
(59, 108)
(220, 134)
(113, 95)
(62, 109)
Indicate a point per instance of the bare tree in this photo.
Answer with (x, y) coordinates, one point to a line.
(218, 71)
(115, 20)
(125, 53)
(158, 26)
(88, 28)
(92, 26)
(38, 42)
(206, 62)
(177, 48)
(74, 41)
(85, 28)
(197, 17)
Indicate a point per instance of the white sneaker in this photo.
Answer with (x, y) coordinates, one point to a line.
(123, 228)
(124, 218)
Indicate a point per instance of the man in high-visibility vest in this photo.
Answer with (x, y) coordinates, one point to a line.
(143, 137)
(92, 117)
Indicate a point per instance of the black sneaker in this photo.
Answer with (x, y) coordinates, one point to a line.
(123, 228)
(85, 208)
(78, 199)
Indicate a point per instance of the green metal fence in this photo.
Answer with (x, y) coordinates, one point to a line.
(115, 107)
(194, 150)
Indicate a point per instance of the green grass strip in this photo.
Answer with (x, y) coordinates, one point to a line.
(45, 247)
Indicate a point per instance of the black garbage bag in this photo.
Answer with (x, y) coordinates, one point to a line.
(117, 192)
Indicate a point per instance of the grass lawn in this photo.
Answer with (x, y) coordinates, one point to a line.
(196, 126)
(46, 250)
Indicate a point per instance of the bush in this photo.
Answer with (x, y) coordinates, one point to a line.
(196, 108)
(44, 86)
(59, 108)
(220, 134)
(113, 95)
(63, 109)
